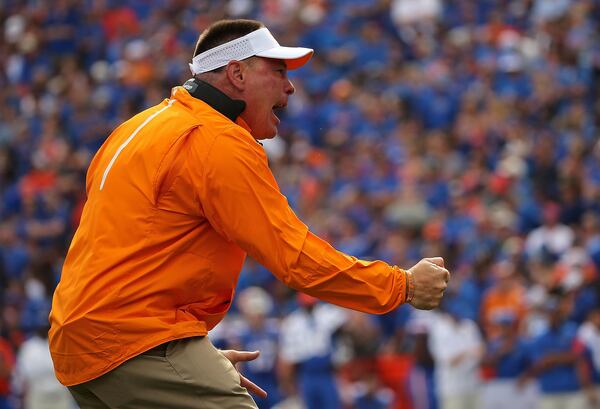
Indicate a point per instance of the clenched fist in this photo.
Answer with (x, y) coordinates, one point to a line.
(430, 280)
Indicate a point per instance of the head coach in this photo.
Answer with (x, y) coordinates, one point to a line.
(177, 196)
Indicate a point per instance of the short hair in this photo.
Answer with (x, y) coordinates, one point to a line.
(223, 31)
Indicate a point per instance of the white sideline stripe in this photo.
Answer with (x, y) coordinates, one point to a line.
(124, 144)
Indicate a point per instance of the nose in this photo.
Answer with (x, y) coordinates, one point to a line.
(289, 87)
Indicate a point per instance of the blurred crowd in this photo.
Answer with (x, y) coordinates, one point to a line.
(466, 129)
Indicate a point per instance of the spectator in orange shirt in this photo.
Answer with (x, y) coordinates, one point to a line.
(176, 198)
(505, 297)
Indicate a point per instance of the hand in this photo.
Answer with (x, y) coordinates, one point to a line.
(430, 280)
(457, 359)
(243, 356)
(592, 398)
(522, 381)
(507, 346)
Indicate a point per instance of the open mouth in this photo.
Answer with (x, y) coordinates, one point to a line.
(278, 108)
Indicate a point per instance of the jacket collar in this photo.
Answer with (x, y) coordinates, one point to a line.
(231, 108)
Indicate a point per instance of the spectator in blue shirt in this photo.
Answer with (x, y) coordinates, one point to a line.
(553, 360)
(506, 359)
(588, 346)
(260, 334)
(371, 395)
(307, 346)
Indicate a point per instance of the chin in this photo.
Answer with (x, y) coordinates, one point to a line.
(265, 135)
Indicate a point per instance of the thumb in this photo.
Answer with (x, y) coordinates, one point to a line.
(438, 261)
(241, 356)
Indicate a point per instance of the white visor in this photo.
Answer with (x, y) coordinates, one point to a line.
(260, 43)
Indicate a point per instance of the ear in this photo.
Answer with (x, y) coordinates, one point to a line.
(235, 71)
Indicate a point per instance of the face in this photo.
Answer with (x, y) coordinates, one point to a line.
(266, 88)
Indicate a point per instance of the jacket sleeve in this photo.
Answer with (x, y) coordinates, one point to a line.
(241, 200)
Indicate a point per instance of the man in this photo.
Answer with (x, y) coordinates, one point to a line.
(34, 376)
(260, 332)
(309, 359)
(7, 364)
(587, 345)
(176, 198)
(457, 347)
(553, 359)
(505, 360)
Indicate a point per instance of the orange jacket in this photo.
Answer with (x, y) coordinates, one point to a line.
(176, 197)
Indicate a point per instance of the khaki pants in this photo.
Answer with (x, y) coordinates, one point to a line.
(464, 401)
(58, 399)
(573, 400)
(192, 374)
(504, 393)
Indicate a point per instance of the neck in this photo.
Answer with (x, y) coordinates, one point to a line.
(215, 97)
(220, 82)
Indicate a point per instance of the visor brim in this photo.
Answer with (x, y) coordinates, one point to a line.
(294, 57)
